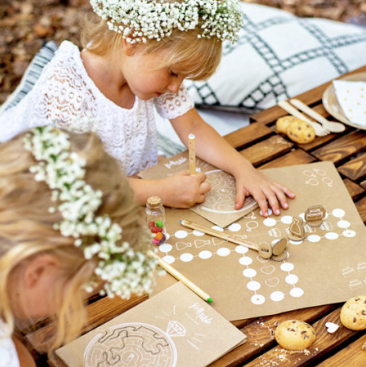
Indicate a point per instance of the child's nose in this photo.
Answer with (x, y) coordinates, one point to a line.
(174, 84)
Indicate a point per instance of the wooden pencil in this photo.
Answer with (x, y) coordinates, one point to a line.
(179, 276)
(264, 249)
(192, 154)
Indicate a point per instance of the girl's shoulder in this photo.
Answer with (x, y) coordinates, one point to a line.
(8, 353)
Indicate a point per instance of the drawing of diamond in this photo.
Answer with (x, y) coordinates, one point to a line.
(175, 328)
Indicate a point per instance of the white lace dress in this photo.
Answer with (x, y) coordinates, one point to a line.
(65, 92)
(8, 353)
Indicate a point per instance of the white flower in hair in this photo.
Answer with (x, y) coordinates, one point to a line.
(139, 20)
(123, 270)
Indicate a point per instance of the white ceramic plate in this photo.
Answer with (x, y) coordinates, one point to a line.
(331, 104)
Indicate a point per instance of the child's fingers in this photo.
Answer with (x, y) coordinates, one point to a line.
(262, 202)
(286, 190)
(205, 187)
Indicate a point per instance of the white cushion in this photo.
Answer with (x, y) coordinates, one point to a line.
(279, 56)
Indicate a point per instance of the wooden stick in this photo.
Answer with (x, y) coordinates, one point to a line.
(192, 154)
(177, 275)
(264, 249)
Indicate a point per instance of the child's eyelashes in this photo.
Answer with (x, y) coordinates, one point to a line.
(172, 73)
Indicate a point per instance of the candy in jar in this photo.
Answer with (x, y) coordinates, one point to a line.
(155, 219)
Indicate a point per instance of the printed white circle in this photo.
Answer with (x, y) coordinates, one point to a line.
(287, 267)
(349, 233)
(249, 273)
(198, 233)
(223, 251)
(269, 222)
(235, 227)
(343, 224)
(292, 279)
(167, 236)
(253, 285)
(186, 257)
(339, 213)
(277, 296)
(205, 254)
(296, 242)
(302, 216)
(181, 234)
(331, 236)
(217, 228)
(296, 292)
(314, 238)
(165, 247)
(258, 299)
(169, 259)
(241, 249)
(245, 260)
(287, 219)
(269, 212)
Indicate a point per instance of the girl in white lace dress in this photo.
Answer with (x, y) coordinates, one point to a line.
(43, 271)
(136, 55)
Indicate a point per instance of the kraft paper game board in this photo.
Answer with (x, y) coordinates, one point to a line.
(173, 329)
(219, 206)
(328, 266)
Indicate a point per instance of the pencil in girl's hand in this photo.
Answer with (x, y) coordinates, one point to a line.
(192, 154)
(179, 276)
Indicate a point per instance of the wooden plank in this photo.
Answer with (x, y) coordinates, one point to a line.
(361, 207)
(323, 344)
(354, 190)
(351, 356)
(318, 142)
(248, 134)
(342, 148)
(354, 169)
(97, 315)
(260, 335)
(267, 150)
(295, 157)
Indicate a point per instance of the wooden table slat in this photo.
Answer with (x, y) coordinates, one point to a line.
(260, 334)
(248, 134)
(354, 169)
(354, 190)
(342, 148)
(295, 157)
(361, 207)
(267, 150)
(351, 356)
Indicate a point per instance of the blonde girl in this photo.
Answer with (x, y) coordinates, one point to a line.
(45, 263)
(136, 55)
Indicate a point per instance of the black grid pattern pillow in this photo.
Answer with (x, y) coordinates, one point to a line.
(279, 56)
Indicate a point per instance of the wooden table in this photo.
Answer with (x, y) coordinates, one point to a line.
(343, 348)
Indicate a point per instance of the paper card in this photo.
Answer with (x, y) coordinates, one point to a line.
(219, 206)
(352, 98)
(175, 328)
(327, 266)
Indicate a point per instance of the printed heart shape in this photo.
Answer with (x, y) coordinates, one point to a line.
(331, 327)
(268, 269)
(272, 282)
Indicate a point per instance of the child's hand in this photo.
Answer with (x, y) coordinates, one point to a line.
(263, 189)
(183, 190)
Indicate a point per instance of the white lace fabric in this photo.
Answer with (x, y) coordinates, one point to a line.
(8, 353)
(65, 92)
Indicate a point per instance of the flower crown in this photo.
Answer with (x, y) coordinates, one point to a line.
(140, 20)
(122, 270)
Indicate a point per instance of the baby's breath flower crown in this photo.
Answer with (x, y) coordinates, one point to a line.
(140, 20)
(123, 270)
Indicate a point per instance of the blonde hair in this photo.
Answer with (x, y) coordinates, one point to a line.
(197, 58)
(26, 227)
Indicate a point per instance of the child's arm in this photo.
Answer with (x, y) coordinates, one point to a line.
(178, 191)
(212, 148)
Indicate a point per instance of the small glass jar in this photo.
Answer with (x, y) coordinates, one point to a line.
(155, 219)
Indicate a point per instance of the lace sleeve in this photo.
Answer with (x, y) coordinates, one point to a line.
(171, 105)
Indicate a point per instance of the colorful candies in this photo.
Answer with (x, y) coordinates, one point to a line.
(156, 229)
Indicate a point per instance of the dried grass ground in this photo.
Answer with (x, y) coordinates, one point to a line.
(26, 24)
